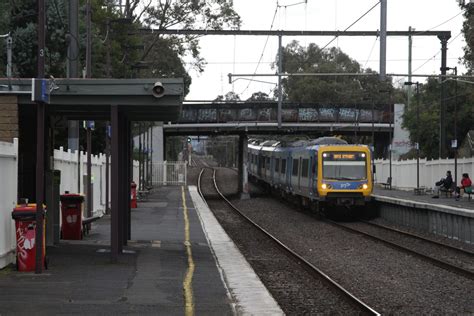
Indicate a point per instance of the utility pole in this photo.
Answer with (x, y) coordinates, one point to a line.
(88, 40)
(280, 69)
(72, 72)
(442, 116)
(410, 45)
(9, 56)
(40, 120)
(383, 39)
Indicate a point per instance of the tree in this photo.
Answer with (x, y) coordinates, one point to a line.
(468, 30)
(228, 97)
(213, 14)
(259, 96)
(328, 89)
(428, 124)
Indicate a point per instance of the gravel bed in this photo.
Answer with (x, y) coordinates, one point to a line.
(438, 238)
(445, 254)
(388, 280)
(296, 291)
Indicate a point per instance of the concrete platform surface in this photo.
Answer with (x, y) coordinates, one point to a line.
(168, 268)
(444, 204)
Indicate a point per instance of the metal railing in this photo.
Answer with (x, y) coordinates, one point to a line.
(169, 173)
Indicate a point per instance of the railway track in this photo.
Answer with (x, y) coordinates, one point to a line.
(313, 270)
(461, 262)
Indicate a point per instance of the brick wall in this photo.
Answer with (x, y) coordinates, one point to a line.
(8, 118)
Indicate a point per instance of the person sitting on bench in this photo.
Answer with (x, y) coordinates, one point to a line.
(444, 184)
(465, 183)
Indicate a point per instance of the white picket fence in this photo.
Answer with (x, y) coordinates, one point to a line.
(169, 173)
(404, 171)
(66, 162)
(8, 199)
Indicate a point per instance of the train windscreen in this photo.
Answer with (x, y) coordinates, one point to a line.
(344, 165)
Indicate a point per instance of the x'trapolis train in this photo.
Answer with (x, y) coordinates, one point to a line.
(323, 173)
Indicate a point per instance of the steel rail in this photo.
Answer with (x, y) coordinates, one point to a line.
(366, 309)
(440, 263)
(392, 229)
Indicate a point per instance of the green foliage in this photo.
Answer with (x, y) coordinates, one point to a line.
(259, 96)
(468, 30)
(228, 97)
(428, 124)
(118, 48)
(328, 89)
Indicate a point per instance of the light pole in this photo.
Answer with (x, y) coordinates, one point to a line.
(417, 145)
(454, 143)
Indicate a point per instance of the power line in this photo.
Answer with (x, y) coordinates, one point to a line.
(433, 57)
(362, 16)
(264, 47)
(371, 50)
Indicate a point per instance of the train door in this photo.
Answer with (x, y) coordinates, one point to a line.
(299, 172)
(314, 172)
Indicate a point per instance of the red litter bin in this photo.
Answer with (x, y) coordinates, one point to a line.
(133, 195)
(71, 213)
(25, 224)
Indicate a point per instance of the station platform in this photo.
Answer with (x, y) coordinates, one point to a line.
(179, 261)
(463, 206)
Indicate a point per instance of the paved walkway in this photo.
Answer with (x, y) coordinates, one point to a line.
(150, 278)
(463, 203)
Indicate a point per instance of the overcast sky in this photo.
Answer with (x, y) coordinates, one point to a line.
(240, 54)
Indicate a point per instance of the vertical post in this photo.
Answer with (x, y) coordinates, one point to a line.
(390, 146)
(243, 176)
(88, 40)
(9, 56)
(107, 166)
(442, 124)
(72, 69)
(383, 38)
(40, 118)
(89, 172)
(456, 127)
(116, 246)
(280, 69)
(410, 45)
(417, 135)
(151, 157)
(140, 157)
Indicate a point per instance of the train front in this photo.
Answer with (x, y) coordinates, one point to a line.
(345, 175)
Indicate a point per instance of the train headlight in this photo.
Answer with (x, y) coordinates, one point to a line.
(324, 186)
(362, 155)
(365, 186)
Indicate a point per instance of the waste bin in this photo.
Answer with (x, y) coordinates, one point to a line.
(71, 213)
(25, 224)
(133, 195)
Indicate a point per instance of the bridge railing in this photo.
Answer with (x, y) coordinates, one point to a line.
(299, 113)
(169, 173)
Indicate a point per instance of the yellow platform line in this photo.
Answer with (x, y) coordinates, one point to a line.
(188, 279)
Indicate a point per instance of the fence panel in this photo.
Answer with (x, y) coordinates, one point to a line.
(8, 199)
(169, 173)
(404, 171)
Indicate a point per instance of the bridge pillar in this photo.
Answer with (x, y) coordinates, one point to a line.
(243, 175)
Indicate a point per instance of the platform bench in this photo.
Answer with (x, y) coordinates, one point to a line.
(387, 184)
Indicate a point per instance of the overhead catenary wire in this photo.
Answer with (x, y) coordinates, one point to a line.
(352, 24)
(433, 57)
(264, 47)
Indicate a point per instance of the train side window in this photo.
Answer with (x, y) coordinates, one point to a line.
(304, 168)
(268, 163)
(283, 165)
(295, 167)
(277, 164)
